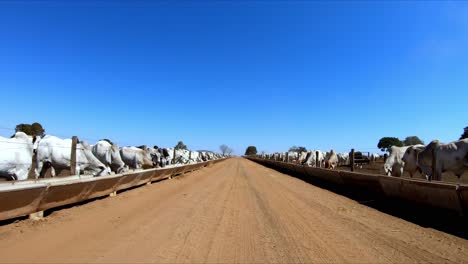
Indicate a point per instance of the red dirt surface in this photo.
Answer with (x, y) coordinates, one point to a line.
(234, 211)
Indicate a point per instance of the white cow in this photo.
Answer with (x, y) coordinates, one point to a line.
(195, 157)
(182, 156)
(394, 164)
(374, 157)
(109, 154)
(292, 156)
(137, 158)
(410, 159)
(331, 160)
(211, 155)
(55, 153)
(448, 157)
(302, 157)
(311, 158)
(156, 155)
(16, 156)
(343, 159)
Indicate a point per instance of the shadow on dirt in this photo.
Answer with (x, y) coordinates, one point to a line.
(429, 217)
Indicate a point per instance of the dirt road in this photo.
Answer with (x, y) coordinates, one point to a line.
(234, 211)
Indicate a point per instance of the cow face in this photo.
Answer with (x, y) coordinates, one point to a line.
(424, 158)
(386, 169)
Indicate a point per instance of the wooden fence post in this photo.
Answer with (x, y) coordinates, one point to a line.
(190, 155)
(434, 167)
(287, 156)
(317, 162)
(173, 156)
(73, 156)
(351, 159)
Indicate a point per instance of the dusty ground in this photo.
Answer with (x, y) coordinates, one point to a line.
(234, 211)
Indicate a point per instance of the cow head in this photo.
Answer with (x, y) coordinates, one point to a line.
(147, 162)
(117, 163)
(424, 157)
(123, 169)
(386, 169)
(93, 165)
(155, 157)
(35, 141)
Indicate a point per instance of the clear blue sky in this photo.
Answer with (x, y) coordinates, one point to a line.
(269, 74)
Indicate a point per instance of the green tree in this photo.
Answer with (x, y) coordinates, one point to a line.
(34, 129)
(465, 133)
(251, 150)
(180, 145)
(412, 140)
(386, 143)
(297, 149)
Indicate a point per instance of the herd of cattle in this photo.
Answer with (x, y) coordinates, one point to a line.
(412, 159)
(324, 159)
(105, 157)
(451, 157)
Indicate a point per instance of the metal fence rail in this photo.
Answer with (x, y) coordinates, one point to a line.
(443, 195)
(31, 196)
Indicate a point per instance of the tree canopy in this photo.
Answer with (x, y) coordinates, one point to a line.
(465, 133)
(297, 149)
(412, 140)
(180, 145)
(386, 143)
(34, 129)
(251, 150)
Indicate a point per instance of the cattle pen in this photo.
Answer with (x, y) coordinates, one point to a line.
(442, 195)
(32, 197)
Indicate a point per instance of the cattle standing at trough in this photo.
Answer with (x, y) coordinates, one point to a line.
(311, 159)
(302, 157)
(16, 156)
(137, 158)
(109, 154)
(331, 160)
(343, 159)
(448, 157)
(394, 164)
(410, 159)
(55, 153)
(156, 156)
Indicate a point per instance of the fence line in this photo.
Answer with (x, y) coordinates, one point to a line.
(443, 195)
(33, 196)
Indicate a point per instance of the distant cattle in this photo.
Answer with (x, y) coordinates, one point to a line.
(343, 159)
(55, 153)
(16, 155)
(448, 157)
(374, 157)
